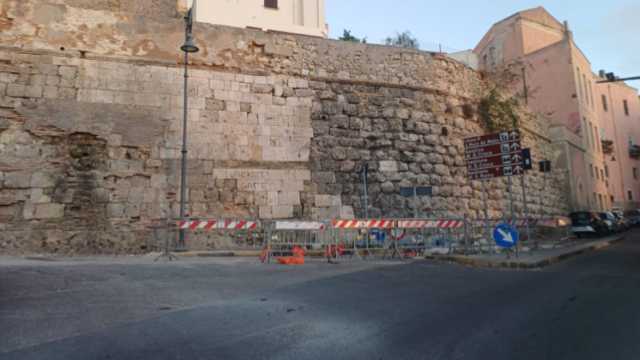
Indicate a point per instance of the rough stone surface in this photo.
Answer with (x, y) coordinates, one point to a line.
(279, 127)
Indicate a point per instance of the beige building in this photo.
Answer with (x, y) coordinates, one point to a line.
(306, 17)
(560, 84)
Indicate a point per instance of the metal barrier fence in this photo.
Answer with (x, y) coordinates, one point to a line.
(223, 234)
(416, 236)
(533, 233)
(354, 236)
(283, 236)
(360, 238)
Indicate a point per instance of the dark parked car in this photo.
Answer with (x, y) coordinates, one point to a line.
(623, 223)
(613, 223)
(633, 216)
(585, 223)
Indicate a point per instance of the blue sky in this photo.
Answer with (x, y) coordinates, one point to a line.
(608, 32)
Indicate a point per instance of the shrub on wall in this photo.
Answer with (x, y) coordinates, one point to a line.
(498, 112)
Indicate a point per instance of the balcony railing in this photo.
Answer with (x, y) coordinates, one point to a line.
(634, 151)
(607, 146)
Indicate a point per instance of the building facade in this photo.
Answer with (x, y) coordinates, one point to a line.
(556, 80)
(619, 111)
(306, 17)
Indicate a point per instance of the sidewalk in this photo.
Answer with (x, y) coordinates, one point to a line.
(528, 260)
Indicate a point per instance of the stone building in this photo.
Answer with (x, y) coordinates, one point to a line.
(305, 17)
(560, 85)
(280, 125)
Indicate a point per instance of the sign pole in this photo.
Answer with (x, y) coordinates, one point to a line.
(486, 212)
(511, 205)
(415, 203)
(365, 173)
(526, 208)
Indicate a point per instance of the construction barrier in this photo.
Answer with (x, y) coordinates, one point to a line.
(419, 235)
(353, 237)
(238, 233)
(359, 238)
(287, 238)
(532, 232)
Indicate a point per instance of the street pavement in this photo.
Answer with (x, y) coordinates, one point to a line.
(587, 307)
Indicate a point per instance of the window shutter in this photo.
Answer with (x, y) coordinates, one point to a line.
(272, 4)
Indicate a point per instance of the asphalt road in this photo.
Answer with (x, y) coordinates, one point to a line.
(585, 308)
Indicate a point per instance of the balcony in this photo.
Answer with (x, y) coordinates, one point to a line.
(634, 151)
(607, 147)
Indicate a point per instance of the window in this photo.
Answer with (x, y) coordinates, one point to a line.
(630, 195)
(601, 201)
(271, 4)
(592, 173)
(613, 200)
(606, 170)
(598, 140)
(635, 173)
(579, 84)
(586, 92)
(626, 107)
(597, 173)
(605, 106)
(591, 93)
(601, 174)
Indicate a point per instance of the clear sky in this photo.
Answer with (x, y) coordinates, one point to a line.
(608, 32)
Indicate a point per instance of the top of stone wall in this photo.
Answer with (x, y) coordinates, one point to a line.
(153, 30)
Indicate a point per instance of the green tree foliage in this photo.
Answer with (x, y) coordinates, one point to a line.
(497, 112)
(404, 39)
(347, 36)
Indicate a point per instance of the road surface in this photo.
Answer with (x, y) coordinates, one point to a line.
(585, 308)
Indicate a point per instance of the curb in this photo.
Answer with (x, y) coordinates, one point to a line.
(519, 264)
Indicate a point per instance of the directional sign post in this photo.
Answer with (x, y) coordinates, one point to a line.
(505, 236)
(494, 155)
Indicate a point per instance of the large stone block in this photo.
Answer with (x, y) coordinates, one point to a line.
(44, 211)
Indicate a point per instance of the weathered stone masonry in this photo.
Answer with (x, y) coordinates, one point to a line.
(90, 109)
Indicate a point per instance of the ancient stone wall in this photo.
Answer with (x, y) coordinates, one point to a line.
(279, 126)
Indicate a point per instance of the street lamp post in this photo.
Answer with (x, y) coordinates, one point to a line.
(188, 47)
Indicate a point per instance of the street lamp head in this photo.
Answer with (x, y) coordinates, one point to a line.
(189, 45)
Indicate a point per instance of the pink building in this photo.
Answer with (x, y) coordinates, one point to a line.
(561, 86)
(619, 112)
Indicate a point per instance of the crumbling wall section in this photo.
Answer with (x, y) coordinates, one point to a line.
(279, 125)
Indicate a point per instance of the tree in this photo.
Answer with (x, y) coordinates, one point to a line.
(347, 36)
(404, 39)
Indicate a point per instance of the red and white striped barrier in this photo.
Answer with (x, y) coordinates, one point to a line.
(413, 224)
(556, 222)
(363, 224)
(430, 224)
(449, 224)
(217, 224)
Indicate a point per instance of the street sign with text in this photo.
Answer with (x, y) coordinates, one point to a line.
(494, 155)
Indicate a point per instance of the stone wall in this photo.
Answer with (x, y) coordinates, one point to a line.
(279, 126)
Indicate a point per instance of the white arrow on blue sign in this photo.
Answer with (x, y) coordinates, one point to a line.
(505, 236)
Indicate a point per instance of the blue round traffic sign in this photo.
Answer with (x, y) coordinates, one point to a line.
(505, 236)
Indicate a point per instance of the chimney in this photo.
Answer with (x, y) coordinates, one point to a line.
(567, 32)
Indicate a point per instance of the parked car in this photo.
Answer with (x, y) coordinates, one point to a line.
(585, 223)
(612, 222)
(623, 223)
(633, 216)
